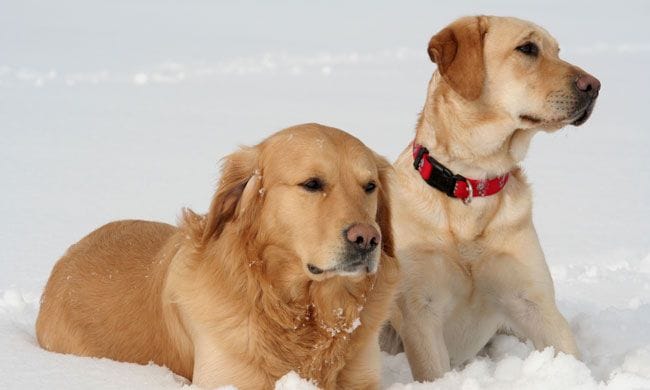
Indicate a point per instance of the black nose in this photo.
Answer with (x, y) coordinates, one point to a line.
(363, 237)
(588, 84)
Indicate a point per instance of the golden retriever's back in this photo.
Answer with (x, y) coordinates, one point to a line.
(94, 271)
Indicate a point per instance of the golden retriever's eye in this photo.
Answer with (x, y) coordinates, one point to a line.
(370, 187)
(529, 49)
(313, 185)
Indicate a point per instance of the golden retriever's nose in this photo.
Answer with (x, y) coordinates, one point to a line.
(363, 237)
(589, 84)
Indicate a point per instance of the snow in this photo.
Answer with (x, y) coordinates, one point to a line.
(113, 110)
(293, 381)
(355, 324)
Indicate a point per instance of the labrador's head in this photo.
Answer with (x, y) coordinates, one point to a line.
(512, 68)
(310, 198)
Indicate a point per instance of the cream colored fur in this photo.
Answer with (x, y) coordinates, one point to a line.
(471, 270)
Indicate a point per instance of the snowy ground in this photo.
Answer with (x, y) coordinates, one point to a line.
(122, 109)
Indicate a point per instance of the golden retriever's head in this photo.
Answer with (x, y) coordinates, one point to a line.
(511, 68)
(310, 198)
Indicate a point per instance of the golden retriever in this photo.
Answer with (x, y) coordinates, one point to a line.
(470, 256)
(291, 269)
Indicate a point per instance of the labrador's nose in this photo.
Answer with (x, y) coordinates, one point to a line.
(589, 84)
(363, 237)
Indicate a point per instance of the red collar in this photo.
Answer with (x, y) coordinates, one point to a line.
(456, 186)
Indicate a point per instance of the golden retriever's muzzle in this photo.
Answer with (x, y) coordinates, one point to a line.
(359, 253)
(587, 88)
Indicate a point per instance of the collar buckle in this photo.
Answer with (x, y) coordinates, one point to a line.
(417, 161)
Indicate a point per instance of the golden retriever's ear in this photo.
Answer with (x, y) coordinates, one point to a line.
(383, 206)
(238, 188)
(458, 51)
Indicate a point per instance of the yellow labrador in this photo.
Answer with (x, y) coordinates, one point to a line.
(471, 258)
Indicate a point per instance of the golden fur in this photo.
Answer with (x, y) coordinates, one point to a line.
(470, 270)
(227, 298)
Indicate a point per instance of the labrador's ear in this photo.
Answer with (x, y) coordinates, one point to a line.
(383, 206)
(237, 192)
(458, 51)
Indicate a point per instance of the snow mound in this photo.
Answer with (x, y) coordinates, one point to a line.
(293, 381)
(540, 370)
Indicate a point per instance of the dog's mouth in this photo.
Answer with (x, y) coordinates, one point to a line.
(531, 119)
(351, 267)
(358, 266)
(579, 117)
(584, 113)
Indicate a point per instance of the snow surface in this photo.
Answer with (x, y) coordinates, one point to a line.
(122, 109)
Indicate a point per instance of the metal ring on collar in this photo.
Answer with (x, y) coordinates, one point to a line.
(470, 189)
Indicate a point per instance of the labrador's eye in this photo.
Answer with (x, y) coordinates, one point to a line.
(370, 187)
(529, 49)
(313, 185)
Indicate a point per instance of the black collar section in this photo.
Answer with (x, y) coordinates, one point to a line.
(434, 173)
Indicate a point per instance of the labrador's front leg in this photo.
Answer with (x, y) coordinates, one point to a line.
(421, 330)
(522, 286)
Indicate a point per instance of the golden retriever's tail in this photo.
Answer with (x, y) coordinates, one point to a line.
(389, 340)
